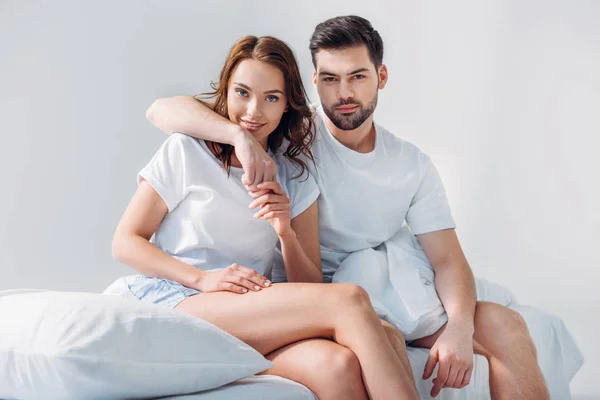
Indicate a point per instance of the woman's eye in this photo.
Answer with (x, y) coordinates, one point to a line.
(272, 99)
(241, 92)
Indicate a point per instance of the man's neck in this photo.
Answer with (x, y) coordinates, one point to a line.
(361, 139)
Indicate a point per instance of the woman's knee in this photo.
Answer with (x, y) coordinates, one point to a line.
(330, 370)
(343, 365)
(340, 374)
(349, 294)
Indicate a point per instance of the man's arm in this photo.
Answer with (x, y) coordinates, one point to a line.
(187, 115)
(455, 284)
(454, 279)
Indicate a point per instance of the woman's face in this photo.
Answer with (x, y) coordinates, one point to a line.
(256, 98)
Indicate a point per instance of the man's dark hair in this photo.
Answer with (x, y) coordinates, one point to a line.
(347, 31)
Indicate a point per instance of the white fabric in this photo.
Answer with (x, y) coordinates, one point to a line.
(209, 224)
(72, 345)
(260, 387)
(365, 198)
(400, 283)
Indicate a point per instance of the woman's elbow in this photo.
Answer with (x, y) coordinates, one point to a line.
(119, 244)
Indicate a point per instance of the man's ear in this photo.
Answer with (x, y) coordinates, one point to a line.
(315, 78)
(383, 76)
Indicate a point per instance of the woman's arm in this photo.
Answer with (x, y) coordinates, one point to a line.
(131, 245)
(299, 237)
(187, 115)
(301, 250)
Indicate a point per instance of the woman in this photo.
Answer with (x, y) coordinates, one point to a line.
(213, 240)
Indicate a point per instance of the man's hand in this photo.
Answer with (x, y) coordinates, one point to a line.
(258, 165)
(454, 352)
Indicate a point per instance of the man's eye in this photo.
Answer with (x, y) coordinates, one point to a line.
(329, 79)
(241, 92)
(272, 99)
(359, 76)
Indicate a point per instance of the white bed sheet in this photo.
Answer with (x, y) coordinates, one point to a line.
(261, 387)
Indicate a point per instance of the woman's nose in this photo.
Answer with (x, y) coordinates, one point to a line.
(254, 110)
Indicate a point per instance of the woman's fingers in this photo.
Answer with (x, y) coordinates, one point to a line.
(274, 214)
(243, 282)
(271, 185)
(268, 198)
(270, 208)
(232, 287)
(251, 275)
(257, 193)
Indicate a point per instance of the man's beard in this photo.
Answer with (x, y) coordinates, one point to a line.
(349, 122)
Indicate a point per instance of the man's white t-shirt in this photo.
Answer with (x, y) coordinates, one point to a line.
(209, 224)
(366, 197)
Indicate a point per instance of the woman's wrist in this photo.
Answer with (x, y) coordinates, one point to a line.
(288, 236)
(197, 279)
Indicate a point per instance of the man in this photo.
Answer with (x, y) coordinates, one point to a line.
(396, 182)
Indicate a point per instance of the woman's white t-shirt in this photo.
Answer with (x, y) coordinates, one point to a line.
(209, 224)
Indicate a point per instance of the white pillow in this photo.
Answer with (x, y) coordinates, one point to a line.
(73, 345)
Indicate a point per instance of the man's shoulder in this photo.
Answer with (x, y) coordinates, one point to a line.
(396, 145)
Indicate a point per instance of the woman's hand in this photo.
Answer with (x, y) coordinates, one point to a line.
(274, 206)
(235, 278)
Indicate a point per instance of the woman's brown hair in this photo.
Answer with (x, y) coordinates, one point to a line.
(296, 122)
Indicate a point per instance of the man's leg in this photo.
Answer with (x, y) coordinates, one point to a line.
(502, 337)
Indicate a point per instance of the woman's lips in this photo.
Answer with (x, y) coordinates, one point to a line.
(252, 126)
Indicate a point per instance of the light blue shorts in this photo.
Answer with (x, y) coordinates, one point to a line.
(151, 290)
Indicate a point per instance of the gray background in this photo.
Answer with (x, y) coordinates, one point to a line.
(504, 95)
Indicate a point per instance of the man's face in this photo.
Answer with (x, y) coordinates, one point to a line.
(347, 83)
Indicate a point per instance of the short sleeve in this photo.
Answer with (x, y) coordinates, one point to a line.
(165, 172)
(429, 210)
(302, 190)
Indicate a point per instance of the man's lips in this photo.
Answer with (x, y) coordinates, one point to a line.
(347, 108)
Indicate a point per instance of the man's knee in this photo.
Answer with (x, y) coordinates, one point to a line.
(499, 328)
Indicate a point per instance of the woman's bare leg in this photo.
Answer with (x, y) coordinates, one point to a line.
(330, 370)
(290, 312)
(399, 344)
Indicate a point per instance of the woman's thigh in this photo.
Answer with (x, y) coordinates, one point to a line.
(273, 317)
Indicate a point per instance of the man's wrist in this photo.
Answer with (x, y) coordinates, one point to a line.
(463, 323)
(237, 135)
